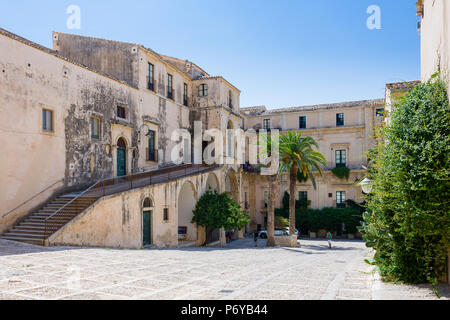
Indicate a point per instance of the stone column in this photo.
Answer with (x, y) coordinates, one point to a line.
(201, 235)
(222, 239)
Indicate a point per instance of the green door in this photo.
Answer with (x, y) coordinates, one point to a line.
(146, 228)
(121, 162)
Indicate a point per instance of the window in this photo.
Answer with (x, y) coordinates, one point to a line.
(230, 99)
(185, 95)
(266, 124)
(151, 152)
(339, 119)
(169, 86)
(147, 203)
(303, 195)
(302, 122)
(340, 199)
(230, 142)
(247, 206)
(121, 112)
(150, 77)
(166, 214)
(182, 232)
(202, 90)
(47, 120)
(95, 128)
(341, 158)
(379, 112)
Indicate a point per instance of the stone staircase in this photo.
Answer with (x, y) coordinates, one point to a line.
(40, 225)
(34, 229)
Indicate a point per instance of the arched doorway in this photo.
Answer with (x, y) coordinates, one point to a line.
(230, 139)
(212, 182)
(147, 212)
(187, 231)
(121, 158)
(231, 185)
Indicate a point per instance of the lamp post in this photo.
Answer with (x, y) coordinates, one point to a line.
(366, 185)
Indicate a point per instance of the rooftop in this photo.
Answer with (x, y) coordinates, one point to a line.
(405, 85)
(261, 110)
(35, 45)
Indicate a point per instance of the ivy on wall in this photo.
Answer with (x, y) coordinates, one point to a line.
(341, 172)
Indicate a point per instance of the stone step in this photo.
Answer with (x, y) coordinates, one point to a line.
(23, 235)
(51, 220)
(59, 214)
(25, 240)
(27, 231)
(37, 224)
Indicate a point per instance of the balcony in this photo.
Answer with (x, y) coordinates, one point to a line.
(340, 205)
(250, 168)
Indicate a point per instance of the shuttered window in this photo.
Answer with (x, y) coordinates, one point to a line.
(95, 128)
(47, 120)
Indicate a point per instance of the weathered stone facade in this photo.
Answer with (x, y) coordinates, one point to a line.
(86, 78)
(354, 138)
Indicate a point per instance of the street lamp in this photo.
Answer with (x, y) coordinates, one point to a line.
(366, 185)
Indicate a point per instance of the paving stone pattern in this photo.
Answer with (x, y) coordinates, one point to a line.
(238, 271)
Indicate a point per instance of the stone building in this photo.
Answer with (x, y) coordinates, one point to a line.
(88, 129)
(434, 29)
(344, 132)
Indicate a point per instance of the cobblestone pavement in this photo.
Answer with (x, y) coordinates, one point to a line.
(238, 271)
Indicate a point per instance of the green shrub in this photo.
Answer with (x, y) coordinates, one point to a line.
(330, 219)
(216, 210)
(281, 222)
(408, 223)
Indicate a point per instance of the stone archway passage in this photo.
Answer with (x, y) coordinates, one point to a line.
(232, 189)
(187, 231)
(231, 186)
(212, 182)
(212, 235)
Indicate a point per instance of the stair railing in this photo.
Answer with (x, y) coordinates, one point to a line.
(130, 178)
(63, 207)
(33, 197)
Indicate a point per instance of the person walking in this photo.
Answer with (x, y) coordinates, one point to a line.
(255, 238)
(329, 236)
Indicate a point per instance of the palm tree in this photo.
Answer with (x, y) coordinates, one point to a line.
(271, 212)
(298, 158)
(265, 149)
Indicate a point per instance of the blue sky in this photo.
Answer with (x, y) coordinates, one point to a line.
(278, 53)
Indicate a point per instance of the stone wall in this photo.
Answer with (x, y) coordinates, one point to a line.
(34, 78)
(116, 221)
